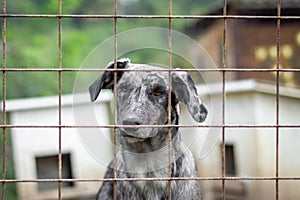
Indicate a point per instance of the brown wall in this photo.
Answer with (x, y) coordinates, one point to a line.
(244, 38)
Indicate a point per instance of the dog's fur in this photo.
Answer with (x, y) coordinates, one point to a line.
(142, 99)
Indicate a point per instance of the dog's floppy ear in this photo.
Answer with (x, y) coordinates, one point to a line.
(184, 88)
(106, 80)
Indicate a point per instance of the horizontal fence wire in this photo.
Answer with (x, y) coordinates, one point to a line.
(226, 178)
(149, 16)
(148, 70)
(151, 126)
(224, 69)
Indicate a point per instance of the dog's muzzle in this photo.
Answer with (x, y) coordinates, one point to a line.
(131, 122)
(130, 134)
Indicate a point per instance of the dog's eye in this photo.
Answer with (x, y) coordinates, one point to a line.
(157, 93)
(156, 90)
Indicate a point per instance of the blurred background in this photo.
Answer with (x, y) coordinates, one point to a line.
(251, 43)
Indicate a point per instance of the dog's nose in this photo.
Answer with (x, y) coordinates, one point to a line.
(131, 122)
(203, 113)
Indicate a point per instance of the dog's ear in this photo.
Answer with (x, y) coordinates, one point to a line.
(184, 88)
(106, 80)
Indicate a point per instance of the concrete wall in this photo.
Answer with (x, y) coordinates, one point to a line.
(255, 148)
(29, 143)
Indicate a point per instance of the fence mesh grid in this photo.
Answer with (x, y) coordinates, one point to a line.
(223, 70)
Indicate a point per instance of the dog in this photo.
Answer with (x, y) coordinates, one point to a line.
(142, 99)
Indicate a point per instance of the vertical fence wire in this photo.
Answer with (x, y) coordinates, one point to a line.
(169, 99)
(224, 65)
(60, 100)
(3, 101)
(115, 99)
(277, 100)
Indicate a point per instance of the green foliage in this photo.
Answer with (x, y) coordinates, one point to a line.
(10, 191)
(33, 43)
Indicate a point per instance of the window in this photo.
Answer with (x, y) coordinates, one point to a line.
(229, 160)
(47, 168)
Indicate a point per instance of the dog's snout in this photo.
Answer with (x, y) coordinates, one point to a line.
(203, 113)
(131, 122)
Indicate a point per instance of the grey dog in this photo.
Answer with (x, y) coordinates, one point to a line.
(142, 99)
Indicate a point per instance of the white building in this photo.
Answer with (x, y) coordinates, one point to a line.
(250, 152)
(35, 149)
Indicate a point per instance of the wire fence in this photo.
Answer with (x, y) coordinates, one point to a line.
(5, 126)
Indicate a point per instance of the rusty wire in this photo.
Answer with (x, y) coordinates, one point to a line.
(236, 178)
(115, 164)
(224, 66)
(3, 174)
(60, 99)
(149, 16)
(60, 69)
(238, 126)
(221, 70)
(169, 109)
(277, 100)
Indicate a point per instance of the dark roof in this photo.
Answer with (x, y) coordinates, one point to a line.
(266, 7)
(264, 3)
(247, 7)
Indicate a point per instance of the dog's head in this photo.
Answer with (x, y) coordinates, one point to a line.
(142, 96)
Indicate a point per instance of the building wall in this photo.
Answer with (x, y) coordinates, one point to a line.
(212, 40)
(29, 143)
(254, 147)
(252, 43)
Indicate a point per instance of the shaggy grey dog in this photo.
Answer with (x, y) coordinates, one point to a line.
(142, 99)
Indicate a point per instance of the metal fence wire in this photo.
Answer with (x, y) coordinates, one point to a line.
(170, 17)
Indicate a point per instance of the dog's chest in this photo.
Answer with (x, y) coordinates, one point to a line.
(145, 166)
(149, 169)
(152, 189)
